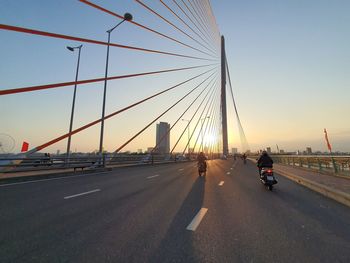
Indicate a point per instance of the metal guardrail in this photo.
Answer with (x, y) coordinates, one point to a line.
(328, 164)
(11, 164)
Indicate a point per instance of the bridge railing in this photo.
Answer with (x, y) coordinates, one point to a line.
(13, 164)
(324, 164)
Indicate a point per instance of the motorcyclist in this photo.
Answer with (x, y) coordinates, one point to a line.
(264, 161)
(202, 159)
(244, 158)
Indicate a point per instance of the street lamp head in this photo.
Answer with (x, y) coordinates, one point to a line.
(127, 17)
(70, 48)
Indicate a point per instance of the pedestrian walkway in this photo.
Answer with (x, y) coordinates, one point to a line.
(340, 183)
(335, 187)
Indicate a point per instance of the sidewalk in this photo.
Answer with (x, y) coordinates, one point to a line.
(335, 187)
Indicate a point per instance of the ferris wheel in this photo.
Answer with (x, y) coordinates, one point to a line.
(7, 143)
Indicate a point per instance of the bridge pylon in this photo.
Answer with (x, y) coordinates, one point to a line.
(223, 98)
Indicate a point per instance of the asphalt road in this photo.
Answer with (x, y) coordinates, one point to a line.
(142, 214)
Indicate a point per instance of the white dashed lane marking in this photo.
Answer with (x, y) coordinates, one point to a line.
(85, 193)
(150, 177)
(197, 219)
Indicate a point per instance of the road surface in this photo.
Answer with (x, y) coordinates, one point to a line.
(166, 213)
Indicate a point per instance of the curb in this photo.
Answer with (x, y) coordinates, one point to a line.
(336, 195)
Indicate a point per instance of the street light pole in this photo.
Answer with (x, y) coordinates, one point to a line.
(202, 146)
(127, 17)
(73, 103)
(188, 135)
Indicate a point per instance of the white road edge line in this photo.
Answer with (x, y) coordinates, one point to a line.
(221, 183)
(197, 219)
(149, 177)
(51, 179)
(85, 193)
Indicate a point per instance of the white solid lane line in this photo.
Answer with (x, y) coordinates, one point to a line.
(181, 169)
(221, 183)
(149, 177)
(85, 193)
(197, 219)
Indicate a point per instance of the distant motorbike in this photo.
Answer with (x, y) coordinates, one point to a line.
(267, 178)
(202, 168)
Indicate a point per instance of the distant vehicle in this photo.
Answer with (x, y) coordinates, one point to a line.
(180, 158)
(146, 159)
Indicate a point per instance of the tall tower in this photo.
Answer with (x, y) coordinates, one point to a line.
(163, 138)
(223, 98)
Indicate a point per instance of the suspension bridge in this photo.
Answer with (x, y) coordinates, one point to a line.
(164, 86)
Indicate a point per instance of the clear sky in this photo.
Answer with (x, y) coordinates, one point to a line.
(289, 62)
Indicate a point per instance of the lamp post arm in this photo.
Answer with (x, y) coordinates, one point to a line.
(110, 31)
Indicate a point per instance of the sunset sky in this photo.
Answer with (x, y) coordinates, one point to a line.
(289, 62)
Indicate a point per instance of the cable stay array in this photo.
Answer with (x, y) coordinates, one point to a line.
(244, 142)
(191, 26)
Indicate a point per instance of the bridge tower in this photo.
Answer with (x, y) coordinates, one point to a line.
(223, 98)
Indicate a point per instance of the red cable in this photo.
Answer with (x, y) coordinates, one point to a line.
(153, 121)
(110, 115)
(170, 23)
(56, 85)
(184, 12)
(197, 11)
(48, 34)
(182, 114)
(184, 22)
(198, 23)
(140, 25)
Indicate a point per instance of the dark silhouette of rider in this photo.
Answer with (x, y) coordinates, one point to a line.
(202, 159)
(264, 161)
(244, 157)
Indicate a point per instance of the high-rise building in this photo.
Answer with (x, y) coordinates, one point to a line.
(308, 150)
(163, 138)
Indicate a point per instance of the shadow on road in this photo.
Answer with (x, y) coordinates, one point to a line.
(178, 243)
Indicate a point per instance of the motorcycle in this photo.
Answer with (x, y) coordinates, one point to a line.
(267, 177)
(202, 168)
